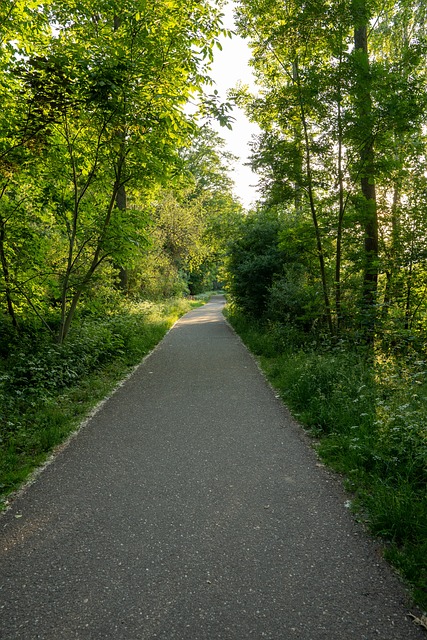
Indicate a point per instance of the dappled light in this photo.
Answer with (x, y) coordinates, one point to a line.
(199, 319)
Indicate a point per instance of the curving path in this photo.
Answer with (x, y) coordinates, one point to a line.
(191, 507)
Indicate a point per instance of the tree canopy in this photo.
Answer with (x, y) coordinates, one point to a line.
(96, 148)
(341, 104)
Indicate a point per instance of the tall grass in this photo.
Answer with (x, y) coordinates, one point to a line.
(46, 389)
(369, 419)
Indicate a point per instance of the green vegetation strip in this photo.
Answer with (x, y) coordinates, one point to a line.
(46, 390)
(369, 421)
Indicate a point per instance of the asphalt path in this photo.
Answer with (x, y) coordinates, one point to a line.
(192, 507)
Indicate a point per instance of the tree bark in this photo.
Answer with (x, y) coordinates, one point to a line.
(6, 275)
(313, 210)
(97, 259)
(121, 200)
(369, 214)
(341, 205)
(121, 204)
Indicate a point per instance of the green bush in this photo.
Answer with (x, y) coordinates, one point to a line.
(254, 260)
(329, 392)
(293, 300)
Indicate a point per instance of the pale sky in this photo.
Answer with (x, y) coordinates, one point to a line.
(230, 67)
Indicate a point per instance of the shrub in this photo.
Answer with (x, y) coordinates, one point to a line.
(254, 260)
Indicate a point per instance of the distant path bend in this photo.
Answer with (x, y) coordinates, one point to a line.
(191, 508)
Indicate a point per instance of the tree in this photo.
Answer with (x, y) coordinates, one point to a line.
(365, 135)
(254, 261)
(107, 95)
(328, 120)
(209, 165)
(291, 51)
(24, 31)
(194, 217)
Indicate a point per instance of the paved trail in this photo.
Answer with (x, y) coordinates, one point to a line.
(191, 508)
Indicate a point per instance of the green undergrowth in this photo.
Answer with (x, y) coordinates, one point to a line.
(368, 417)
(46, 390)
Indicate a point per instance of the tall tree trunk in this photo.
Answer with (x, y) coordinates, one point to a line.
(121, 204)
(298, 159)
(313, 210)
(6, 274)
(72, 234)
(121, 200)
(393, 249)
(369, 215)
(341, 204)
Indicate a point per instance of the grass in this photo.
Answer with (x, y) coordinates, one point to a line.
(46, 390)
(369, 420)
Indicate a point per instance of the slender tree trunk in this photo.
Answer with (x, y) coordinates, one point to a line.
(72, 235)
(338, 254)
(387, 295)
(341, 208)
(393, 251)
(298, 160)
(121, 197)
(97, 259)
(369, 215)
(409, 283)
(6, 274)
(408, 298)
(121, 200)
(313, 210)
(121, 204)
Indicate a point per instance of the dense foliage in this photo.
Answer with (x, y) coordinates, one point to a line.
(102, 185)
(341, 104)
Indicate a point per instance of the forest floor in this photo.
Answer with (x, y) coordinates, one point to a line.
(192, 506)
